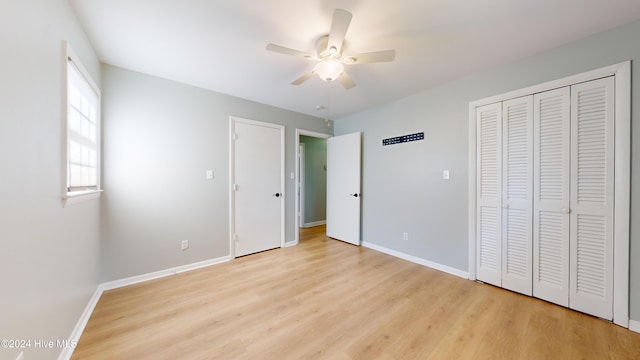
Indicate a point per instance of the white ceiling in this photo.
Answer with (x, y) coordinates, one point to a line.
(220, 44)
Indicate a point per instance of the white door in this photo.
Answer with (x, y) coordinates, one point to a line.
(257, 219)
(517, 173)
(592, 186)
(551, 196)
(343, 187)
(489, 207)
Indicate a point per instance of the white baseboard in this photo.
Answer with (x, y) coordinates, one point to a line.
(290, 244)
(110, 285)
(634, 325)
(315, 223)
(162, 273)
(417, 260)
(66, 353)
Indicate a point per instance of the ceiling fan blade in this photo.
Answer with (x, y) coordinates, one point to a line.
(339, 26)
(303, 78)
(346, 80)
(287, 51)
(372, 57)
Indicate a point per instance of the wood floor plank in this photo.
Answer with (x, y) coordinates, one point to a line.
(325, 299)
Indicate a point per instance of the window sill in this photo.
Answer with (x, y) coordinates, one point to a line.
(77, 197)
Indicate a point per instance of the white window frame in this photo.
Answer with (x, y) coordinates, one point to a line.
(69, 196)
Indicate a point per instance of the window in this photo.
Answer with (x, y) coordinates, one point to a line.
(82, 140)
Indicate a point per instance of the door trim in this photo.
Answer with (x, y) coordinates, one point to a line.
(300, 179)
(232, 224)
(296, 218)
(622, 171)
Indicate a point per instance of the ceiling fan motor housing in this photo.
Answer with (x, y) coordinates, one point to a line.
(324, 52)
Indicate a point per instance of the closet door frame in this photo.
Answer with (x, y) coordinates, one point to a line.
(622, 170)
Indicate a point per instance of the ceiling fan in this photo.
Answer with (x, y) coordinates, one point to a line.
(329, 56)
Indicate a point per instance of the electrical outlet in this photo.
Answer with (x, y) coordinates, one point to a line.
(184, 245)
(405, 236)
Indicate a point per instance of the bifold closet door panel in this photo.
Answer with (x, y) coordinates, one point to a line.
(551, 166)
(592, 197)
(488, 212)
(517, 174)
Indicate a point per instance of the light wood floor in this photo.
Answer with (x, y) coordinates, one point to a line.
(325, 299)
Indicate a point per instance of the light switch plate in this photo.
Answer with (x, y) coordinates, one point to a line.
(209, 174)
(445, 174)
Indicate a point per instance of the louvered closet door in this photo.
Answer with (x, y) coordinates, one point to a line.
(489, 163)
(592, 168)
(517, 170)
(551, 196)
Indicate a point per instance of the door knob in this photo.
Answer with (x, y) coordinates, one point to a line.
(355, 195)
(277, 194)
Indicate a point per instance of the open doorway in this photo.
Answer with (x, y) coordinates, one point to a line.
(311, 195)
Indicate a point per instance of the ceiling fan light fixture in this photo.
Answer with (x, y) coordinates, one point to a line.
(328, 70)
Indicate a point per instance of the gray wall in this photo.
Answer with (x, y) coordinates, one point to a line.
(159, 139)
(403, 189)
(49, 261)
(315, 202)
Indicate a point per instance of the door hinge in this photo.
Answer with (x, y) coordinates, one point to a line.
(235, 136)
(234, 187)
(235, 237)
